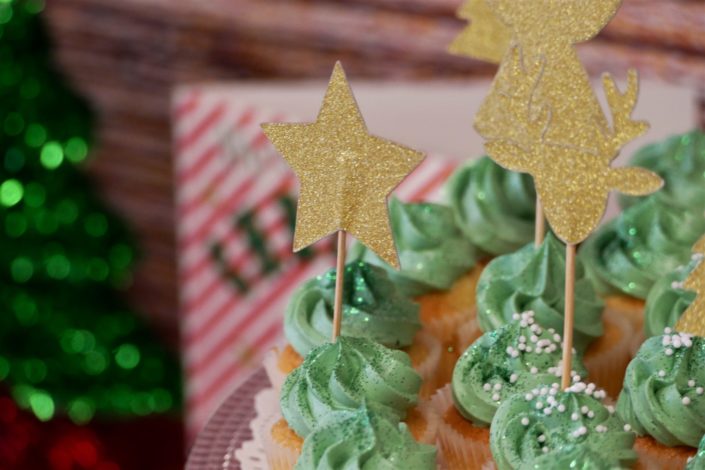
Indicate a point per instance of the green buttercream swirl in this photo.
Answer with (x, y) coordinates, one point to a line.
(533, 279)
(433, 252)
(680, 161)
(522, 427)
(364, 440)
(667, 300)
(515, 358)
(373, 308)
(494, 207)
(574, 457)
(342, 376)
(698, 461)
(660, 395)
(630, 253)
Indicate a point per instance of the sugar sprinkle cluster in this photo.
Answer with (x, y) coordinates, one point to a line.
(673, 341)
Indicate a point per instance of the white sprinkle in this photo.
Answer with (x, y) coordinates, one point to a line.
(685, 401)
(627, 427)
(498, 386)
(528, 349)
(547, 411)
(525, 421)
(495, 397)
(533, 370)
(529, 397)
(513, 378)
(561, 408)
(522, 339)
(515, 316)
(487, 387)
(667, 330)
(584, 409)
(699, 390)
(544, 450)
(669, 352)
(691, 383)
(610, 408)
(662, 373)
(539, 405)
(542, 438)
(591, 414)
(575, 416)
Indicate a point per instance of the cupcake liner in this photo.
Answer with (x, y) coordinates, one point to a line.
(458, 451)
(271, 366)
(279, 456)
(656, 456)
(608, 357)
(424, 423)
(425, 356)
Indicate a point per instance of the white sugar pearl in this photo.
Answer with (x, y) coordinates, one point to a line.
(525, 421)
(627, 427)
(685, 401)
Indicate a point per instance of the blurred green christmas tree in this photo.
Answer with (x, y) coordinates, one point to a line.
(68, 342)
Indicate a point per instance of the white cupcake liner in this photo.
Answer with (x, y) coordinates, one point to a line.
(468, 333)
(458, 452)
(278, 456)
(606, 367)
(271, 366)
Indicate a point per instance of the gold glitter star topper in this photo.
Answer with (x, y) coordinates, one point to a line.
(542, 117)
(486, 38)
(693, 319)
(346, 175)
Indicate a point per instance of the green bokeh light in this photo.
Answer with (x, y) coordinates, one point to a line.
(14, 124)
(34, 370)
(34, 195)
(81, 410)
(14, 160)
(22, 269)
(35, 135)
(96, 225)
(58, 266)
(95, 362)
(15, 224)
(76, 149)
(4, 368)
(42, 405)
(52, 155)
(11, 192)
(127, 356)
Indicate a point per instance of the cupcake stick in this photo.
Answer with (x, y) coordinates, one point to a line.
(569, 314)
(540, 224)
(339, 277)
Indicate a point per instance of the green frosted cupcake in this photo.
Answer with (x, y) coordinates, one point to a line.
(698, 461)
(515, 358)
(533, 279)
(362, 439)
(680, 161)
(667, 301)
(546, 420)
(433, 253)
(373, 308)
(629, 254)
(344, 375)
(495, 208)
(574, 457)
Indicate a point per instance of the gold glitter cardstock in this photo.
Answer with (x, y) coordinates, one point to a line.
(345, 173)
(486, 38)
(542, 116)
(693, 319)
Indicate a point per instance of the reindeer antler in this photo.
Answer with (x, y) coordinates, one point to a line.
(624, 128)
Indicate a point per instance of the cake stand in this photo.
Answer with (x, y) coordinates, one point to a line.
(228, 428)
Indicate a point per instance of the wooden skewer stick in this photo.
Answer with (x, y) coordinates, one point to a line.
(339, 277)
(569, 314)
(540, 224)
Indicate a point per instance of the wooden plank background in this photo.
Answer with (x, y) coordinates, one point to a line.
(127, 55)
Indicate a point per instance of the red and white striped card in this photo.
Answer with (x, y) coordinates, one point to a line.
(236, 200)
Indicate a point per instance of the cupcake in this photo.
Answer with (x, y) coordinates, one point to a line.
(363, 439)
(342, 376)
(663, 399)
(526, 427)
(433, 253)
(372, 308)
(680, 161)
(516, 358)
(533, 279)
(438, 268)
(495, 208)
(625, 257)
(667, 300)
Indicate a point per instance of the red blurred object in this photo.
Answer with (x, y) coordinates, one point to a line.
(145, 443)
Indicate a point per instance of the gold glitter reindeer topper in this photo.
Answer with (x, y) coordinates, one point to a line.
(346, 175)
(693, 319)
(542, 116)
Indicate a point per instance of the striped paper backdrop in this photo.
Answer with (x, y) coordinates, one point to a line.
(235, 207)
